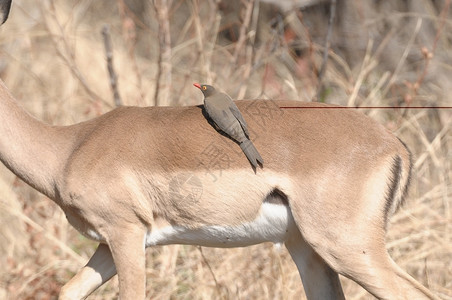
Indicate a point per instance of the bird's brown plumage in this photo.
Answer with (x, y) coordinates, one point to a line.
(227, 117)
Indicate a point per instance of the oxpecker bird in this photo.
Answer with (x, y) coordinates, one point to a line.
(227, 117)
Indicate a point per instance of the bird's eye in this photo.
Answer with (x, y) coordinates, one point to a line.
(204, 87)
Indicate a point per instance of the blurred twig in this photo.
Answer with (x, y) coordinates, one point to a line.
(214, 25)
(250, 51)
(428, 55)
(200, 37)
(111, 70)
(217, 285)
(404, 56)
(243, 29)
(163, 82)
(129, 31)
(369, 63)
(69, 59)
(326, 50)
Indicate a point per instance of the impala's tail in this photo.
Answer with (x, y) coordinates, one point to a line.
(5, 6)
(399, 182)
(251, 153)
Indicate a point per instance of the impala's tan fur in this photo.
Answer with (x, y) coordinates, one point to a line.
(112, 177)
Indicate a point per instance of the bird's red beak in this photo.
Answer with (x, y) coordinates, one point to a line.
(197, 85)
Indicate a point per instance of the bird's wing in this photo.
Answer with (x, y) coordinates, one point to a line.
(218, 110)
(238, 115)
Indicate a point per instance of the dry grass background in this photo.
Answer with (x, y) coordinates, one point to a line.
(387, 53)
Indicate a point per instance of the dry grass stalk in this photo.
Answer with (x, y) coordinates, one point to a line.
(428, 55)
(164, 77)
(200, 37)
(249, 4)
(111, 71)
(65, 51)
(404, 56)
(129, 31)
(327, 48)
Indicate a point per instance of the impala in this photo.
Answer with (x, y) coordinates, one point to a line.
(139, 177)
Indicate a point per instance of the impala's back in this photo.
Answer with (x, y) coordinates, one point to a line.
(176, 169)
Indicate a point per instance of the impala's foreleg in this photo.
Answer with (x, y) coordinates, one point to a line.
(125, 255)
(128, 249)
(99, 269)
(319, 280)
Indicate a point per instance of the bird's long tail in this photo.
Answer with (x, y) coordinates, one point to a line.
(251, 153)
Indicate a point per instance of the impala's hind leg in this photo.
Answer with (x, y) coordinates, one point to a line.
(344, 221)
(319, 280)
(355, 248)
(369, 265)
(358, 252)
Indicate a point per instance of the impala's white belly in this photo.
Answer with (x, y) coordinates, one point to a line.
(273, 224)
